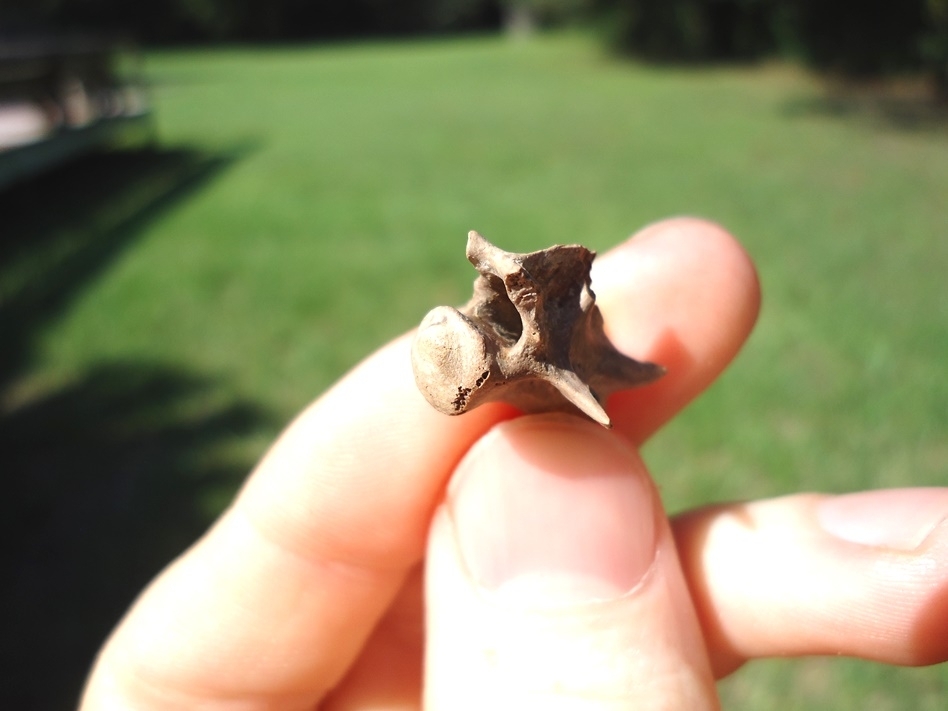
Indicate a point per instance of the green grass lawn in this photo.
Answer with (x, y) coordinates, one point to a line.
(164, 317)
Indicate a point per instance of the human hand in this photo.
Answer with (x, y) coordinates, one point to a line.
(552, 577)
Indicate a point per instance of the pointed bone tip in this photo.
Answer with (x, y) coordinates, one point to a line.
(589, 404)
(476, 245)
(604, 421)
(475, 238)
(646, 372)
(591, 408)
(579, 394)
(596, 414)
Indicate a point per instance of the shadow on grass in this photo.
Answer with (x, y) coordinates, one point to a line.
(105, 481)
(61, 230)
(109, 476)
(910, 109)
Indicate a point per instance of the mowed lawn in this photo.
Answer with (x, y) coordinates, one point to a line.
(305, 204)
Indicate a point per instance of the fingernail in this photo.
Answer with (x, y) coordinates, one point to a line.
(553, 510)
(890, 518)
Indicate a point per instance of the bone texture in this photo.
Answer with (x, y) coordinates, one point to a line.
(531, 336)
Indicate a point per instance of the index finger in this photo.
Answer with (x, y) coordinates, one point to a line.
(274, 603)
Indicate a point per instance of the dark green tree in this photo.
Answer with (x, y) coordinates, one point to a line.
(853, 38)
(691, 30)
(933, 46)
(269, 20)
(860, 37)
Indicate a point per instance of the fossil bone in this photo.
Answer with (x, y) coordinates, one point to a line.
(531, 336)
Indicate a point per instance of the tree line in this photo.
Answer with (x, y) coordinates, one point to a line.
(852, 37)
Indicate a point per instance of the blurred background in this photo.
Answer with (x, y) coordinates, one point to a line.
(211, 209)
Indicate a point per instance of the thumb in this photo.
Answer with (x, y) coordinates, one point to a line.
(553, 581)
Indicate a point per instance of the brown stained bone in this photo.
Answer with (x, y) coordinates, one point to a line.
(531, 336)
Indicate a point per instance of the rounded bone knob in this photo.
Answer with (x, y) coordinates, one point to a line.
(452, 361)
